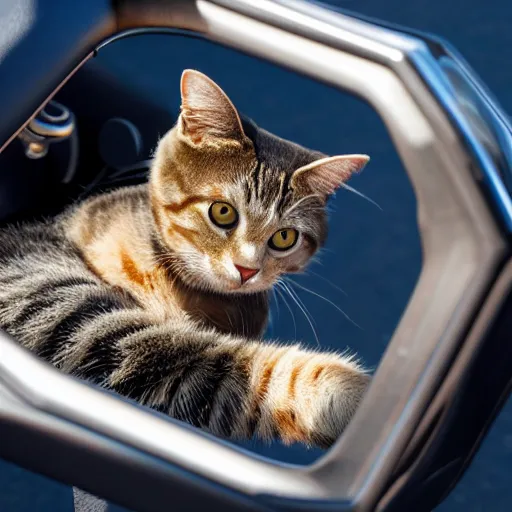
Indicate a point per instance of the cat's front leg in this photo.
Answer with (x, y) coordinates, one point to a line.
(237, 388)
(233, 387)
(303, 396)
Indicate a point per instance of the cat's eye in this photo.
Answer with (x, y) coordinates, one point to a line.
(223, 215)
(284, 239)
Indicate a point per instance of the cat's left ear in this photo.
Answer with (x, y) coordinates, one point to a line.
(207, 114)
(325, 176)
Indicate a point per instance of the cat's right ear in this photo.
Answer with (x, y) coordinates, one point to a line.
(207, 114)
(325, 176)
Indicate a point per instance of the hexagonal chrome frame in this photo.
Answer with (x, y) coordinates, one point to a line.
(464, 212)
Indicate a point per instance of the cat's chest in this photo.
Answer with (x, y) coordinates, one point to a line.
(160, 293)
(234, 314)
(244, 315)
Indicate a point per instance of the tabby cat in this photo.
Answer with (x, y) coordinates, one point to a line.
(159, 291)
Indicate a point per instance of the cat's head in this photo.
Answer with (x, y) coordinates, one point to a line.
(237, 206)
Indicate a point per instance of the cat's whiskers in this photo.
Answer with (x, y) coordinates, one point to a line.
(294, 283)
(301, 306)
(309, 271)
(306, 312)
(241, 316)
(360, 194)
(281, 294)
(276, 301)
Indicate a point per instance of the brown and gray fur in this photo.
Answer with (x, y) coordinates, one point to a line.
(136, 290)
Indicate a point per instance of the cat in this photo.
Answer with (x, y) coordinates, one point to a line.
(159, 292)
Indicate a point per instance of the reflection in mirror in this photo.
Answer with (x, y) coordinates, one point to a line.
(171, 290)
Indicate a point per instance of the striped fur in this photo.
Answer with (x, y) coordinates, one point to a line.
(130, 291)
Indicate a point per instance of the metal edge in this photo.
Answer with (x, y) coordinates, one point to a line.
(456, 377)
(480, 255)
(135, 479)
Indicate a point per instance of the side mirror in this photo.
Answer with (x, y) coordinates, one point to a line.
(401, 449)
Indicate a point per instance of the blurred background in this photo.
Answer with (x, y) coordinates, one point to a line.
(373, 257)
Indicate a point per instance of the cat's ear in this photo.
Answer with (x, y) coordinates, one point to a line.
(207, 114)
(325, 176)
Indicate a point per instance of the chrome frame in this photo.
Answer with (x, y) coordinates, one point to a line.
(464, 247)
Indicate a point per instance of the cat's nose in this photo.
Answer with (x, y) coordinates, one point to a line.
(246, 273)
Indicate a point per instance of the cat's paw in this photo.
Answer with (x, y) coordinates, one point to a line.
(339, 390)
(312, 397)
